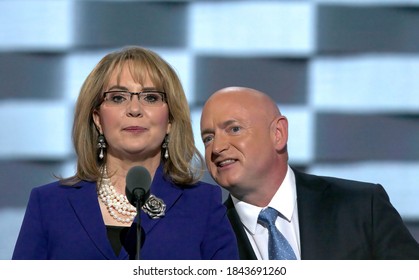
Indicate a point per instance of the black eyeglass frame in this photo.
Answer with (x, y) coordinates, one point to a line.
(161, 93)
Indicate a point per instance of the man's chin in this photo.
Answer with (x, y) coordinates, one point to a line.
(227, 183)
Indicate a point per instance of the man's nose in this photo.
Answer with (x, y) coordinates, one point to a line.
(220, 144)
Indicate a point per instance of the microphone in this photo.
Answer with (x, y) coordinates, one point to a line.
(138, 183)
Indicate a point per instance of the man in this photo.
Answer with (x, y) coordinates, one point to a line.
(245, 138)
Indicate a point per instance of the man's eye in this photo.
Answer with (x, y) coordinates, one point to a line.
(235, 129)
(207, 139)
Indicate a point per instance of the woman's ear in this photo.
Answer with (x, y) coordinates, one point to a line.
(96, 120)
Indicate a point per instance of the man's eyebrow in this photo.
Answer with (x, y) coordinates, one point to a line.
(223, 125)
(206, 131)
(229, 122)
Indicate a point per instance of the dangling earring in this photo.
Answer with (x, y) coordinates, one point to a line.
(101, 144)
(166, 146)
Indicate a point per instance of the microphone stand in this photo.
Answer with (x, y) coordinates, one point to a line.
(139, 195)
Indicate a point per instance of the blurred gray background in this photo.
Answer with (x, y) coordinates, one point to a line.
(345, 73)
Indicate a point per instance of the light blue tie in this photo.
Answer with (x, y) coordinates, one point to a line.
(279, 248)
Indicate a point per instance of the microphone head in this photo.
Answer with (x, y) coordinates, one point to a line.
(138, 183)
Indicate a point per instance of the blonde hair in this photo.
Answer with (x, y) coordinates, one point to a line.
(184, 166)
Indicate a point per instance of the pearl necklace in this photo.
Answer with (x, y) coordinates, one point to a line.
(117, 204)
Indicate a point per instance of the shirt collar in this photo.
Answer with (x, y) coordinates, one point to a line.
(284, 201)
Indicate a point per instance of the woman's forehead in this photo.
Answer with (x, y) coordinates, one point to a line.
(138, 71)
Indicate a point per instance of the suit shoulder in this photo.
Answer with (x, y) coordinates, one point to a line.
(57, 186)
(204, 191)
(207, 187)
(336, 184)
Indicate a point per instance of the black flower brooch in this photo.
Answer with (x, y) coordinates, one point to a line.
(154, 207)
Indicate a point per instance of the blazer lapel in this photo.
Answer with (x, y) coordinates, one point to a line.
(313, 214)
(85, 204)
(245, 248)
(166, 191)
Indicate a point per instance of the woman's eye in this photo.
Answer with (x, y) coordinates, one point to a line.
(118, 98)
(151, 97)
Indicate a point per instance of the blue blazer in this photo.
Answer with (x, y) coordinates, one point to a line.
(65, 222)
(341, 220)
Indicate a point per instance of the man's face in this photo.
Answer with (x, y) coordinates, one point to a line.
(239, 140)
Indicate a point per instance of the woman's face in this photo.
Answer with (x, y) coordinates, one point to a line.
(132, 130)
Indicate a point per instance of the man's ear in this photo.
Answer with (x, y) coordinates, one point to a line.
(280, 131)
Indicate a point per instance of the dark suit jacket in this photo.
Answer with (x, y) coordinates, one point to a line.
(341, 220)
(65, 222)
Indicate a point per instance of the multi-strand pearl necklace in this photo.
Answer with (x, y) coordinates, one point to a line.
(116, 203)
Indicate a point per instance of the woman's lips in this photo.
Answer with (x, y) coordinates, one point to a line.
(135, 129)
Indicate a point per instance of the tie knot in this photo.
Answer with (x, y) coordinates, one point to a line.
(268, 216)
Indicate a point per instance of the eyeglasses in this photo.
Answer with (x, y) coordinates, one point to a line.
(120, 98)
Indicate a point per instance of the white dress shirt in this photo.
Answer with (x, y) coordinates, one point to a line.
(285, 202)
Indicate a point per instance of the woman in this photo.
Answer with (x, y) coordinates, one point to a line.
(131, 111)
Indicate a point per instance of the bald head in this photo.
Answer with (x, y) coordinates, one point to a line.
(248, 98)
